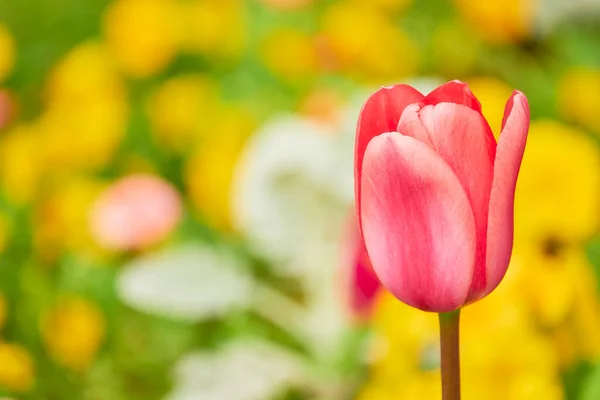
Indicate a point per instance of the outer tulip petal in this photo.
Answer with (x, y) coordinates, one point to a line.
(453, 92)
(417, 223)
(511, 146)
(380, 114)
(461, 137)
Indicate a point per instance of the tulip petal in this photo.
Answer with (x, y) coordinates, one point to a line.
(380, 114)
(453, 92)
(417, 223)
(511, 146)
(411, 124)
(465, 141)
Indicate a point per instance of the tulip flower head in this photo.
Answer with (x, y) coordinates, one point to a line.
(435, 192)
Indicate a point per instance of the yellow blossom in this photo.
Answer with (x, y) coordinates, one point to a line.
(73, 332)
(502, 355)
(547, 279)
(21, 165)
(16, 368)
(7, 52)
(86, 114)
(214, 27)
(579, 97)
(493, 95)
(209, 171)
(290, 54)
(143, 35)
(558, 191)
(557, 285)
(84, 74)
(61, 222)
(364, 40)
(182, 109)
(583, 323)
(500, 22)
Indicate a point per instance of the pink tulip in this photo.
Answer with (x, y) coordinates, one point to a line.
(135, 212)
(435, 193)
(361, 286)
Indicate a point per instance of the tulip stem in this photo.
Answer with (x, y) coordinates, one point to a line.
(450, 356)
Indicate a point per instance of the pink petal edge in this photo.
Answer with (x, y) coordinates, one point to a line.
(456, 92)
(379, 114)
(511, 146)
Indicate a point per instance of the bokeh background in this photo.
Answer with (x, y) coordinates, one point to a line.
(176, 199)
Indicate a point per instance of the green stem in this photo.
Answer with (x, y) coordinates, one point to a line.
(450, 355)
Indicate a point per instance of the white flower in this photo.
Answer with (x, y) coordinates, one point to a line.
(244, 370)
(292, 191)
(552, 12)
(190, 282)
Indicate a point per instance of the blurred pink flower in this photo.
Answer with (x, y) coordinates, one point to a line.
(286, 4)
(361, 286)
(7, 108)
(135, 212)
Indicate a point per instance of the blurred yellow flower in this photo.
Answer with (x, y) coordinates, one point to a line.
(7, 52)
(86, 114)
(493, 95)
(558, 191)
(16, 368)
(61, 222)
(73, 332)
(21, 165)
(182, 109)
(577, 338)
(548, 278)
(290, 54)
(584, 321)
(579, 97)
(365, 41)
(502, 355)
(209, 171)
(215, 28)
(85, 73)
(143, 35)
(500, 22)
(558, 286)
